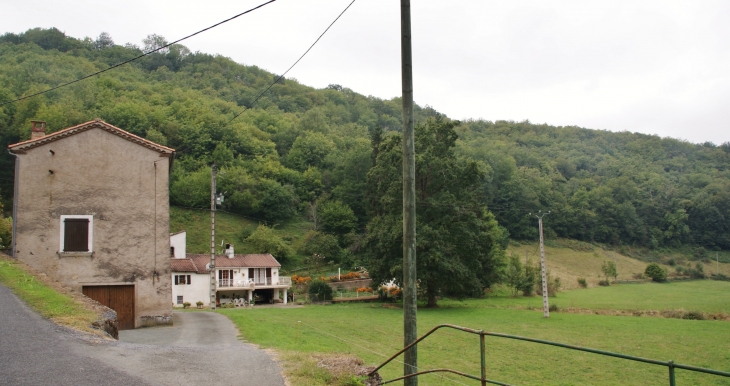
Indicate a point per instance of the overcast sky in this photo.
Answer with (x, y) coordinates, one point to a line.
(656, 67)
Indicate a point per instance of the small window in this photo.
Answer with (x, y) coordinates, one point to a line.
(179, 300)
(172, 251)
(182, 279)
(76, 233)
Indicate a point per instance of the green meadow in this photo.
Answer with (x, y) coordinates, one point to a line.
(373, 332)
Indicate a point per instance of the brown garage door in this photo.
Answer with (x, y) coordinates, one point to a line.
(119, 298)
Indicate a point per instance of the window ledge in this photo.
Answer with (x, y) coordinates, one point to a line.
(75, 254)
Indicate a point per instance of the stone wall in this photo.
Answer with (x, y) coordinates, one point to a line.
(351, 284)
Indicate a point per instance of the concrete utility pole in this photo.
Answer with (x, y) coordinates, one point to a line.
(410, 333)
(212, 237)
(543, 267)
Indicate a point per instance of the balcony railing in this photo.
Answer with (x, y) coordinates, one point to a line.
(262, 281)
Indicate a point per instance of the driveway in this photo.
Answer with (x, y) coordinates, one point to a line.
(34, 351)
(200, 348)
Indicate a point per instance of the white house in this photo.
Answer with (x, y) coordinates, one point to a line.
(177, 245)
(242, 276)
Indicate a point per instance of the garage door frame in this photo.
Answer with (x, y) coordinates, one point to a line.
(118, 297)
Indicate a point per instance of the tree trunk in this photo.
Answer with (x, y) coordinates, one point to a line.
(431, 299)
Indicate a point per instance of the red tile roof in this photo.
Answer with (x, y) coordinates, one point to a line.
(197, 262)
(95, 124)
(183, 265)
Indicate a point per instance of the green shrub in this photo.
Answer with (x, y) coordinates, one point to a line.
(694, 315)
(656, 273)
(186, 305)
(604, 283)
(697, 272)
(720, 276)
(554, 308)
(582, 282)
(319, 290)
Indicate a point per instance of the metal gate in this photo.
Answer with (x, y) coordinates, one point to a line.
(670, 365)
(119, 298)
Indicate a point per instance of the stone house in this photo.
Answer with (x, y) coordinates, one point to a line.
(91, 209)
(238, 277)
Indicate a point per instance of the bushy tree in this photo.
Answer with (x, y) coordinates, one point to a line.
(264, 240)
(319, 290)
(336, 218)
(323, 245)
(458, 250)
(514, 275)
(609, 269)
(656, 273)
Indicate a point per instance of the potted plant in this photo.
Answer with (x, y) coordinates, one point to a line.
(199, 304)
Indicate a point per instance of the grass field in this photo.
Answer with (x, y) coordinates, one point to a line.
(693, 295)
(374, 331)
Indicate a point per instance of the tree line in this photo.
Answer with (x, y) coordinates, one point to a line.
(330, 155)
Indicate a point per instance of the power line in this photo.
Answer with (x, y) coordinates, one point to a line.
(137, 57)
(292, 66)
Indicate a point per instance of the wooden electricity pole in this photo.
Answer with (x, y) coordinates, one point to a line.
(212, 237)
(543, 267)
(410, 333)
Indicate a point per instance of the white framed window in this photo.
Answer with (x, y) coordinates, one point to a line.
(179, 300)
(77, 233)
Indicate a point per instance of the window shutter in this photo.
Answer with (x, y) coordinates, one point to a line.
(188, 279)
(176, 281)
(250, 273)
(76, 235)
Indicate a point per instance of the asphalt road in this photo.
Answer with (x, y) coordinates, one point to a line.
(34, 351)
(200, 348)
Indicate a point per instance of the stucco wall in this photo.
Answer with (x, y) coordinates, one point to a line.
(177, 241)
(124, 186)
(198, 290)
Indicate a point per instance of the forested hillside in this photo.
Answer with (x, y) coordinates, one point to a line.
(300, 151)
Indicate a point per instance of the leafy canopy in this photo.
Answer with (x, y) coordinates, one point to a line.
(458, 241)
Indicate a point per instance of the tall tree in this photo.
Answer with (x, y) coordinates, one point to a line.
(459, 250)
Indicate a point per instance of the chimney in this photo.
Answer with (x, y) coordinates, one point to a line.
(229, 250)
(37, 130)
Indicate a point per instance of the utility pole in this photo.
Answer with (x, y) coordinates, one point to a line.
(543, 268)
(410, 333)
(717, 263)
(212, 237)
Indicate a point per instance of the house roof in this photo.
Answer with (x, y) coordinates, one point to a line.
(197, 262)
(183, 265)
(95, 124)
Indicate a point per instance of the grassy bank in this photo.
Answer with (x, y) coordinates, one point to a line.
(570, 260)
(46, 300)
(374, 331)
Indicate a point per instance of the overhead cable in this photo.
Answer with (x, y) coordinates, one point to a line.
(292, 66)
(137, 57)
